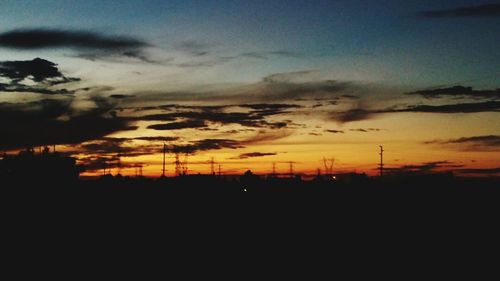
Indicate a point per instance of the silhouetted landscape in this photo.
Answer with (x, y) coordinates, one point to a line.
(54, 174)
(348, 103)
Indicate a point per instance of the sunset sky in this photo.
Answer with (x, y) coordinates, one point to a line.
(252, 83)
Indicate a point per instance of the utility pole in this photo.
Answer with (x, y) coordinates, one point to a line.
(212, 166)
(381, 165)
(164, 156)
(291, 169)
(274, 169)
(220, 170)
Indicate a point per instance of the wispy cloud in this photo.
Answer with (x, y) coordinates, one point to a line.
(253, 155)
(475, 143)
(335, 131)
(458, 92)
(359, 114)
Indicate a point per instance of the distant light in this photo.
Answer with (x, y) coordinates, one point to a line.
(244, 189)
(334, 177)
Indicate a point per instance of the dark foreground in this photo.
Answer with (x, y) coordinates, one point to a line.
(206, 220)
(353, 190)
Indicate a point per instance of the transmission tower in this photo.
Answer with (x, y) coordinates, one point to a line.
(328, 163)
(178, 165)
(184, 164)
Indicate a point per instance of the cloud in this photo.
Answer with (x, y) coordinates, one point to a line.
(33, 76)
(458, 92)
(424, 168)
(475, 143)
(49, 121)
(335, 131)
(490, 171)
(89, 45)
(486, 10)
(189, 124)
(265, 137)
(202, 117)
(37, 70)
(489, 106)
(159, 139)
(193, 47)
(365, 130)
(206, 144)
(351, 115)
(53, 38)
(253, 155)
(359, 114)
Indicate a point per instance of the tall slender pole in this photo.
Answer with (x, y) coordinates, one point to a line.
(164, 153)
(212, 166)
(381, 160)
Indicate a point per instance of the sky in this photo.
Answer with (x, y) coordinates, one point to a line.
(252, 83)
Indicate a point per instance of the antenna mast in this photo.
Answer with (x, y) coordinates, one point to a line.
(164, 156)
(381, 165)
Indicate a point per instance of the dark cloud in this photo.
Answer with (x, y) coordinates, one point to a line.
(352, 97)
(489, 106)
(458, 92)
(356, 114)
(121, 96)
(48, 122)
(359, 114)
(335, 131)
(52, 38)
(365, 130)
(90, 45)
(18, 88)
(270, 106)
(491, 171)
(253, 155)
(189, 124)
(37, 70)
(487, 10)
(475, 143)
(206, 144)
(159, 139)
(33, 76)
(425, 168)
(203, 116)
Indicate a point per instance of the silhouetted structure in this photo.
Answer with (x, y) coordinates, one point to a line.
(328, 163)
(381, 165)
(28, 167)
(164, 158)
